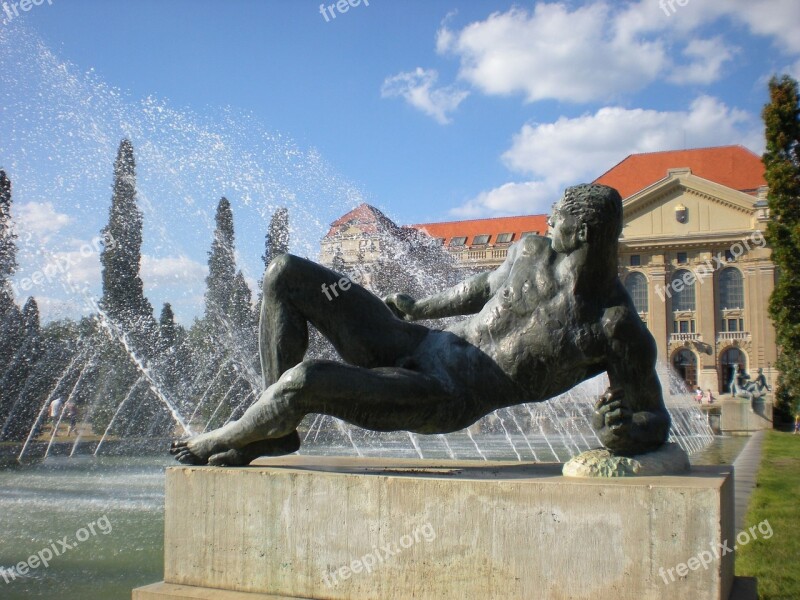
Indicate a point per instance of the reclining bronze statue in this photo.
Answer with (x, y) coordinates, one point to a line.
(551, 316)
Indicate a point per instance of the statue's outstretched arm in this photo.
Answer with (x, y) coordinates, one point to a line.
(465, 298)
(631, 418)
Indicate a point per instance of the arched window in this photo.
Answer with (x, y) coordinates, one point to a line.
(636, 284)
(682, 286)
(731, 289)
(685, 364)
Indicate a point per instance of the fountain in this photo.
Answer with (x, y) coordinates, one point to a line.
(60, 131)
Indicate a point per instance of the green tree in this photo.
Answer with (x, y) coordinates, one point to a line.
(11, 328)
(276, 241)
(221, 267)
(123, 291)
(782, 162)
(16, 424)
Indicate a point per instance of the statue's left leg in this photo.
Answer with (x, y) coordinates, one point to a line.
(382, 399)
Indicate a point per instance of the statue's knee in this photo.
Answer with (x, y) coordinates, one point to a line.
(277, 269)
(297, 378)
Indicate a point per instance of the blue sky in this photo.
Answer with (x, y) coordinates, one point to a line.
(429, 109)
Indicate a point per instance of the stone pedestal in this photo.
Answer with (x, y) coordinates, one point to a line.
(340, 528)
(741, 416)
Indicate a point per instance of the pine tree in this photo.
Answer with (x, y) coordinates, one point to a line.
(8, 248)
(276, 241)
(173, 363)
(16, 375)
(123, 291)
(242, 316)
(11, 327)
(782, 161)
(221, 267)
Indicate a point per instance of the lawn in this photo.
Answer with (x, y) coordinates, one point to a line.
(775, 561)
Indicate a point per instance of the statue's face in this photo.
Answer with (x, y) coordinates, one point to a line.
(567, 231)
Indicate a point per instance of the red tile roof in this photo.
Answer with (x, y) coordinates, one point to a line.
(366, 217)
(732, 166)
(492, 227)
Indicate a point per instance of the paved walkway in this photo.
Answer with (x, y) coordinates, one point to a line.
(745, 469)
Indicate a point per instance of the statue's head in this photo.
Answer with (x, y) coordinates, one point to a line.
(588, 213)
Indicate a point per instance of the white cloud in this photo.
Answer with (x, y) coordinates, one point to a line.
(418, 88)
(601, 50)
(40, 219)
(172, 270)
(708, 57)
(553, 53)
(529, 197)
(580, 149)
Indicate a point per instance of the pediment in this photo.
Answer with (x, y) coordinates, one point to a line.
(706, 209)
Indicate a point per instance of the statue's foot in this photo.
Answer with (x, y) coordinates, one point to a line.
(244, 456)
(197, 450)
(200, 449)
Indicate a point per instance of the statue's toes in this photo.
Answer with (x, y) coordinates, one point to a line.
(187, 457)
(230, 458)
(176, 446)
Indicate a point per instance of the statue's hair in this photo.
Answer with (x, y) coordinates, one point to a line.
(599, 206)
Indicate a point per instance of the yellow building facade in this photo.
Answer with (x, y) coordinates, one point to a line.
(694, 259)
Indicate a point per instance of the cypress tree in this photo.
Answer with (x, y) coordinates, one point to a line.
(16, 375)
(221, 267)
(123, 291)
(277, 239)
(8, 248)
(11, 327)
(241, 313)
(782, 162)
(276, 242)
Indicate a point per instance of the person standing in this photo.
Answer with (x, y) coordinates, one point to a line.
(55, 411)
(71, 413)
(797, 423)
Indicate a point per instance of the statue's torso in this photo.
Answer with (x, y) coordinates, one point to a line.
(536, 329)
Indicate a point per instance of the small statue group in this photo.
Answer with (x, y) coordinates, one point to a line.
(743, 387)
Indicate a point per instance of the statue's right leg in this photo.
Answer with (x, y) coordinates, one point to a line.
(383, 399)
(358, 324)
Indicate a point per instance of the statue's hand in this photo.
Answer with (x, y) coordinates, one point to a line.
(612, 417)
(402, 305)
(624, 431)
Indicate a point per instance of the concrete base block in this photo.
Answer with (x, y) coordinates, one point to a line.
(340, 528)
(740, 415)
(169, 591)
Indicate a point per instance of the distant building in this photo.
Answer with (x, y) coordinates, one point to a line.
(483, 242)
(692, 255)
(694, 259)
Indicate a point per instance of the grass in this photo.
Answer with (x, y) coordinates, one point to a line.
(775, 561)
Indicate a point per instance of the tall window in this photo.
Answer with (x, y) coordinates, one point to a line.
(682, 293)
(636, 284)
(731, 289)
(685, 364)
